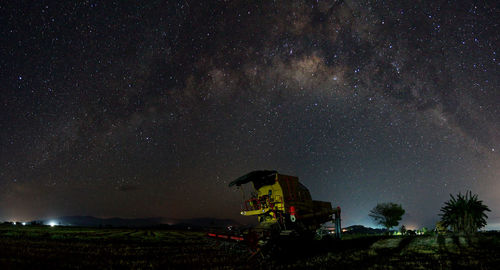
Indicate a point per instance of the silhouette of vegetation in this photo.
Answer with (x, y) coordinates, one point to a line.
(387, 214)
(464, 214)
(402, 229)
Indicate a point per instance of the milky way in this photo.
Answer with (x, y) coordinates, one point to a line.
(151, 109)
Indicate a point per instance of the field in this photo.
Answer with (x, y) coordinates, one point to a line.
(106, 248)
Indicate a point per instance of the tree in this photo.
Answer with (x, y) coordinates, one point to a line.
(464, 214)
(387, 214)
(402, 229)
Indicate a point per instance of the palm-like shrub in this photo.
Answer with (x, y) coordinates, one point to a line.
(465, 213)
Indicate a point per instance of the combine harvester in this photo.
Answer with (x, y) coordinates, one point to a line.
(284, 209)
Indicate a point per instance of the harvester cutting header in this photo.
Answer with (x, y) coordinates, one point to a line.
(281, 203)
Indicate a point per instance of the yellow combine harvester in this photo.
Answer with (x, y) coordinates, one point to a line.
(283, 207)
(283, 204)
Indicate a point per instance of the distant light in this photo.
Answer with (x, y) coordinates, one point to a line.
(24, 223)
(14, 223)
(52, 223)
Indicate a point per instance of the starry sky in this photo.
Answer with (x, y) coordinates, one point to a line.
(150, 108)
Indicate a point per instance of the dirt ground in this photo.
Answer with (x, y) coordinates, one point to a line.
(107, 248)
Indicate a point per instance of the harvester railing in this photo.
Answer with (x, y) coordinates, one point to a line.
(262, 203)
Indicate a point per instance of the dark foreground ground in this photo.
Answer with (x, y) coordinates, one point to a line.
(94, 248)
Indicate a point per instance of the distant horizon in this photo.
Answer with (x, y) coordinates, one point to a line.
(494, 226)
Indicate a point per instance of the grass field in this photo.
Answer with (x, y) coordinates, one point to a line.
(108, 248)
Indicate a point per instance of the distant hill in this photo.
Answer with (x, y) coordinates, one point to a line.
(360, 229)
(90, 221)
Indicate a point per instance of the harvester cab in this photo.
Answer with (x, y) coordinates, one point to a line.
(283, 205)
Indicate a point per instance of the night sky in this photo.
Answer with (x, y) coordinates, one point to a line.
(148, 109)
